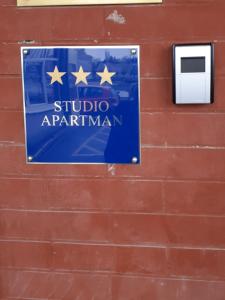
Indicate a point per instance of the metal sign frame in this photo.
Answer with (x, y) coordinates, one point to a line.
(22, 49)
(81, 2)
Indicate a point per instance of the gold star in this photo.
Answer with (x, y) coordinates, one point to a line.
(106, 76)
(81, 76)
(56, 75)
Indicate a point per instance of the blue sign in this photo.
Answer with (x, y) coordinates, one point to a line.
(81, 104)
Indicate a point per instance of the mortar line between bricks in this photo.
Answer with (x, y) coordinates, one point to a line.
(110, 273)
(113, 245)
(193, 147)
(185, 113)
(10, 76)
(40, 177)
(112, 212)
(30, 298)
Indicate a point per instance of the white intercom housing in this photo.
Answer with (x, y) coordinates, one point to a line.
(193, 74)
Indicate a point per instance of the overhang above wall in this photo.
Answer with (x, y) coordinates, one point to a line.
(81, 2)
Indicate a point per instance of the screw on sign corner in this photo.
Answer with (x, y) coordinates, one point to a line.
(134, 160)
(133, 51)
(25, 51)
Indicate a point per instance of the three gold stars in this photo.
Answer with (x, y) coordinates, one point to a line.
(56, 75)
(81, 76)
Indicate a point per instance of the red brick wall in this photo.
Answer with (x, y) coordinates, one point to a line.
(155, 231)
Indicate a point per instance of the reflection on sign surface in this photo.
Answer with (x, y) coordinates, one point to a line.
(81, 104)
